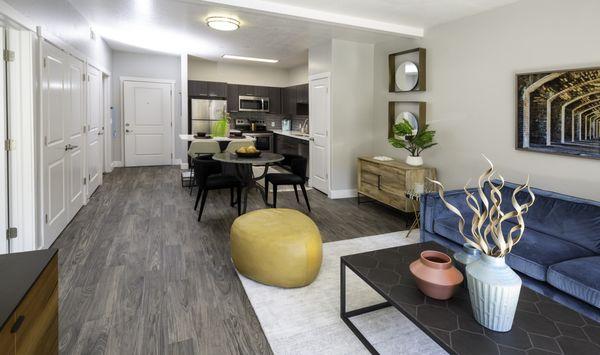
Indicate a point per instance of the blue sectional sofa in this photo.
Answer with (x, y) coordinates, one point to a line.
(559, 254)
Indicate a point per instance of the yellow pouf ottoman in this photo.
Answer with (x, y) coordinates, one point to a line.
(277, 246)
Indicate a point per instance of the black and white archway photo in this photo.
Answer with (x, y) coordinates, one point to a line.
(559, 112)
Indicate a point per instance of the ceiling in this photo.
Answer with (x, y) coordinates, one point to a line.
(283, 30)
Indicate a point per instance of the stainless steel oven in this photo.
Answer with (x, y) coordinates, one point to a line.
(264, 140)
(254, 103)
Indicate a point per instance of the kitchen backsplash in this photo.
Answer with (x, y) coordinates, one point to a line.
(272, 121)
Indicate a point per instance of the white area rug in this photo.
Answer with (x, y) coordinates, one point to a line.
(307, 321)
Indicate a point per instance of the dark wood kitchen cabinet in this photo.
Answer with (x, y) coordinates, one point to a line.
(274, 100)
(207, 88)
(289, 145)
(289, 100)
(246, 90)
(217, 89)
(233, 102)
(29, 299)
(197, 88)
(302, 94)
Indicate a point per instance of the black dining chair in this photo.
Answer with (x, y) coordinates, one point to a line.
(297, 166)
(209, 176)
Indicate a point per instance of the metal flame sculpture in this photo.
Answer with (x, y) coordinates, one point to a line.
(488, 210)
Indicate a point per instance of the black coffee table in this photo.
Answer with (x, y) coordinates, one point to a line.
(541, 325)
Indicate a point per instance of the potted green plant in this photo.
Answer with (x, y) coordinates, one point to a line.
(221, 127)
(414, 141)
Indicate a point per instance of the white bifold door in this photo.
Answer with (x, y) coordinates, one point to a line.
(148, 117)
(319, 98)
(63, 125)
(95, 129)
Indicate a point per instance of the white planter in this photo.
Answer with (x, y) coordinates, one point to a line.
(414, 161)
(494, 291)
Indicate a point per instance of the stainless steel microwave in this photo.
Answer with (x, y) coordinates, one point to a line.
(254, 103)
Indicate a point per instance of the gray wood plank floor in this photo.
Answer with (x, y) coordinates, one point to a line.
(139, 275)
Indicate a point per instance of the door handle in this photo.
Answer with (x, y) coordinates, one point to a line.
(312, 139)
(128, 130)
(101, 133)
(70, 147)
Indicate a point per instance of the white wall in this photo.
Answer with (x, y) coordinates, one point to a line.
(59, 19)
(154, 66)
(352, 111)
(471, 66)
(298, 75)
(319, 58)
(248, 74)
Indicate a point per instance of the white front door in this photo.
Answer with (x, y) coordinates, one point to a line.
(147, 117)
(319, 118)
(74, 123)
(55, 110)
(95, 129)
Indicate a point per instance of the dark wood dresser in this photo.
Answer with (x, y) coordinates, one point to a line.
(29, 302)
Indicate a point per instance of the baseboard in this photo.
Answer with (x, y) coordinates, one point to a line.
(116, 164)
(335, 194)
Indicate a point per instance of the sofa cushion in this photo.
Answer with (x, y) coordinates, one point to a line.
(532, 256)
(579, 278)
(569, 218)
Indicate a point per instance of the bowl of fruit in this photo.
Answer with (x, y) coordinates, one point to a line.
(248, 152)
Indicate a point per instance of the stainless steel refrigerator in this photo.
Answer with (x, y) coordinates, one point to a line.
(204, 113)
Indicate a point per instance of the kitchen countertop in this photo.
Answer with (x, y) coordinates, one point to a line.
(291, 134)
(18, 272)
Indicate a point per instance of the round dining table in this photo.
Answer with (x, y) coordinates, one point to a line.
(246, 174)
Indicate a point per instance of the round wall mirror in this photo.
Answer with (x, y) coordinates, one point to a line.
(410, 117)
(407, 76)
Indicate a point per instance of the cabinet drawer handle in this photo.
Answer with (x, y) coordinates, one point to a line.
(17, 325)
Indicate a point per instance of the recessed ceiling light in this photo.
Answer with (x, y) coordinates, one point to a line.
(223, 23)
(252, 59)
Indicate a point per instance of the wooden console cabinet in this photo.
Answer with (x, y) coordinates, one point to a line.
(29, 303)
(388, 181)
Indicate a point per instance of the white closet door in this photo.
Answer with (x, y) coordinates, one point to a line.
(55, 109)
(3, 157)
(94, 129)
(75, 147)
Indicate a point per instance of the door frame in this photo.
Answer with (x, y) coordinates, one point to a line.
(324, 75)
(122, 81)
(107, 123)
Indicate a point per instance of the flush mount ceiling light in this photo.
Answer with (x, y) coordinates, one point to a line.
(221, 23)
(252, 59)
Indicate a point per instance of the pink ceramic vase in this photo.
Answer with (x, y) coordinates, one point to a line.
(435, 275)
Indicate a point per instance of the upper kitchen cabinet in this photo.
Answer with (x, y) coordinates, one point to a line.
(289, 100)
(246, 90)
(207, 88)
(302, 93)
(275, 100)
(197, 88)
(302, 100)
(233, 102)
(261, 91)
(216, 89)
